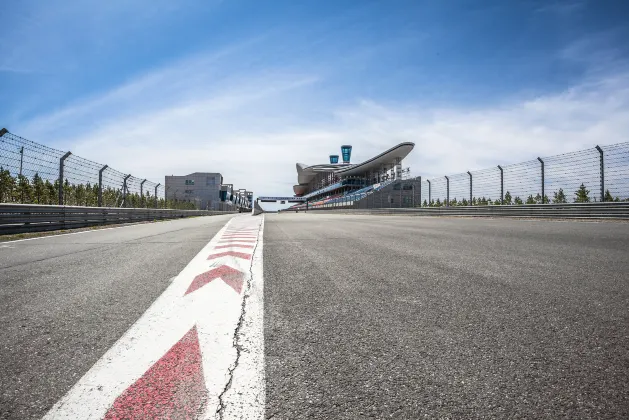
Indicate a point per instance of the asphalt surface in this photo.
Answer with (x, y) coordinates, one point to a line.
(66, 299)
(410, 317)
(365, 316)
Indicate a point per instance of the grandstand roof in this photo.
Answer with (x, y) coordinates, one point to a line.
(387, 159)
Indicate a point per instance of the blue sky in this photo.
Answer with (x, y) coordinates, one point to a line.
(251, 87)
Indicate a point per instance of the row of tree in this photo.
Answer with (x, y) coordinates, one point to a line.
(21, 189)
(582, 195)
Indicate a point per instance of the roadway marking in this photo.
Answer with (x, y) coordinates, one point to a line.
(230, 254)
(197, 352)
(233, 246)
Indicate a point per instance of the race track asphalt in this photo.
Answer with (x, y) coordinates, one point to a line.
(66, 299)
(364, 316)
(412, 317)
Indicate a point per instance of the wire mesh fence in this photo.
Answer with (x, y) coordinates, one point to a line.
(32, 173)
(599, 174)
(593, 175)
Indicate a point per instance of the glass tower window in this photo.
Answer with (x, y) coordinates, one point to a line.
(334, 159)
(346, 151)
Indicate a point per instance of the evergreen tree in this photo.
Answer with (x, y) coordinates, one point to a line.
(425, 203)
(50, 193)
(531, 200)
(582, 195)
(7, 185)
(24, 191)
(608, 196)
(464, 202)
(39, 188)
(497, 203)
(508, 198)
(438, 203)
(538, 199)
(559, 197)
(474, 201)
(517, 200)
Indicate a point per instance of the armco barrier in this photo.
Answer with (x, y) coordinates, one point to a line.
(20, 218)
(560, 211)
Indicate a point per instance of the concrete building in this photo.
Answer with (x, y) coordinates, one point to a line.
(200, 188)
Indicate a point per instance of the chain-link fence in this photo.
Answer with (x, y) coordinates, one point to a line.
(32, 173)
(600, 174)
(592, 175)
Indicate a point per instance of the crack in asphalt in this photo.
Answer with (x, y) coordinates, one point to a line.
(235, 343)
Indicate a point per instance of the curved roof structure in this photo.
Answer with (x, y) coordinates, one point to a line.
(387, 159)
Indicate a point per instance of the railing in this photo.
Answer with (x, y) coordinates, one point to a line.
(558, 211)
(20, 218)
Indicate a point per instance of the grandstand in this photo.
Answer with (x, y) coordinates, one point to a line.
(333, 183)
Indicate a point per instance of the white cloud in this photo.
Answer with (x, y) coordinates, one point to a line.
(253, 126)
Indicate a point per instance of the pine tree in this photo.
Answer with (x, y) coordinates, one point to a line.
(508, 198)
(582, 195)
(425, 203)
(464, 202)
(7, 185)
(530, 199)
(39, 188)
(517, 200)
(438, 203)
(49, 193)
(474, 201)
(559, 197)
(24, 191)
(497, 203)
(608, 196)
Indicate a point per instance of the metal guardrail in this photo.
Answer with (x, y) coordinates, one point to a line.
(21, 218)
(558, 211)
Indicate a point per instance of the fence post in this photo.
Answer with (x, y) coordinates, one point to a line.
(61, 161)
(20, 177)
(542, 162)
(124, 191)
(470, 174)
(429, 193)
(502, 186)
(602, 173)
(100, 186)
(420, 192)
(142, 192)
(447, 191)
(156, 194)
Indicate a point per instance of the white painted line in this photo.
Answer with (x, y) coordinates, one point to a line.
(200, 306)
(245, 399)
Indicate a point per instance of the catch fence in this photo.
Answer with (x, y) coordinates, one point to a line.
(36, 174)
(600, 174)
